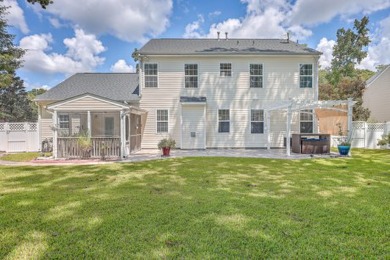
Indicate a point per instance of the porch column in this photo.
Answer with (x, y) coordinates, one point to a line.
(55, 151)
(268, 128)
(288, 128)
(122, 133)
(89, 123)
(350, 112)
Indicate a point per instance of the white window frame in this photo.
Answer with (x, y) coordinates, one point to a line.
(63, 121)
(156, 76)
(306, 112)
(223, 72)
(191, 76)
(162, 121)
(256, 76)
(256, 121)
(223, 121)
(306, 76)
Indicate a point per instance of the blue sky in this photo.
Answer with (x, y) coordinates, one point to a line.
(99, 36)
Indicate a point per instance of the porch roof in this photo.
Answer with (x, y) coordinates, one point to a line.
(114, 86)
(87, 102)
(308, 104)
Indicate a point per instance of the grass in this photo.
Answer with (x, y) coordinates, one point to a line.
(20, 157)
(199, 208)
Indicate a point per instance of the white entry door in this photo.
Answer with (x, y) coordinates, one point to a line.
(193, 127)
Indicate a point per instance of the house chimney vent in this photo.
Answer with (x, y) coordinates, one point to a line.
(288, 37)
(218, 35)
(226, 35)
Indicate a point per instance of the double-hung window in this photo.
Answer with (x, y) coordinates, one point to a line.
(191, 75)
(305, 75)
(63, 124)
(162, 121)
(257, 121)
(256, 75)
(150, 71)
(306, 121)
(223, 121)
(225, 69)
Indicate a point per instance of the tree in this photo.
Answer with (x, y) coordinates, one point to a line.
(43, 3)
(14, 104)
(349, 50)
(342, 80)
(33, 106)
(10, 56)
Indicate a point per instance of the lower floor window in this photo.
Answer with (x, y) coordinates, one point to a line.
(223, 121)
(162, 121)
(257, 121)
(306, 121)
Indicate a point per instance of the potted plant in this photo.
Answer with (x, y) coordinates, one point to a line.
(166, 145)
(85, 144)
(344, 144)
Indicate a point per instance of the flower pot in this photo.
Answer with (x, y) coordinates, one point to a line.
(344, 149)
(166, 151)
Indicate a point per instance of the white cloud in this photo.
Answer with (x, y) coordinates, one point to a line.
(15, 16)
(326, 47)
(379, 49)
(129, 20)
(312, 12)
(122, 66)
(56, 23)
(82, 53)
(192, 30)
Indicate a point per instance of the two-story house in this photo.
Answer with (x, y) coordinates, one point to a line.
(204, 93)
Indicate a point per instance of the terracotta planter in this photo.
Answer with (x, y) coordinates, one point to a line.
(166, 151)
(343, 149)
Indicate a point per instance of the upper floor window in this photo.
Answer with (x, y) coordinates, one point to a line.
(162, 121)
(306, 121)
(191, 75)
(223, 121)
(150, 71)
(225, 69)
(256, 75)
(257, 121)
(306, 75)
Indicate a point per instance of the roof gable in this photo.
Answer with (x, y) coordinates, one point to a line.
(87, 102)
(377, 75)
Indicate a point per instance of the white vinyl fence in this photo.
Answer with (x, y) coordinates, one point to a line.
(19, 137)
(366, 135)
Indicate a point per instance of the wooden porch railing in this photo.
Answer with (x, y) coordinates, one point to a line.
(68, 147)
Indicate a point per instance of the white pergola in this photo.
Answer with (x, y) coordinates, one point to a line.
(297, 105)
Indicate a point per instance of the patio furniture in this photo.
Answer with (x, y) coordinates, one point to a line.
(311, 143)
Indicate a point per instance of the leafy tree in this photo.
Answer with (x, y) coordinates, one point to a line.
(10, 56)
(33, 106)
(14, 104)
(342, 80)
(43, 3)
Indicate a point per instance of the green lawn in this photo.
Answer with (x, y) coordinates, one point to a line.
(199, 208)
(20, 157)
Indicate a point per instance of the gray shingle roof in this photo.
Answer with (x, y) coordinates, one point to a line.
(114, 86)
(223, 46)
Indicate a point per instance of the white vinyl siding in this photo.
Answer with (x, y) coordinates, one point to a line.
(225, 69)
(257, 121)
(256, 75)
(280, 82)
(223, 121)
(191, 75)
(151, 75)
(305, 75)
(306, 121)
(162, 121)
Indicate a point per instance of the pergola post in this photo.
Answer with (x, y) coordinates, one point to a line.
(122, 133)
(55, 122)
(350, 112)
(268, 128)
(288, 152)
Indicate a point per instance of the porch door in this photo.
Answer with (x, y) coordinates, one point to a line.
(193, 127)
(109, 126)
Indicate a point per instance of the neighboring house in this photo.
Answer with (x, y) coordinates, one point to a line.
(204, 93)
(376, 96)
